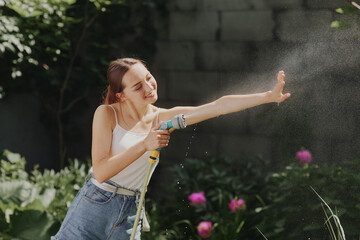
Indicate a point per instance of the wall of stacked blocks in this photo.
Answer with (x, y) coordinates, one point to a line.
(218, 47)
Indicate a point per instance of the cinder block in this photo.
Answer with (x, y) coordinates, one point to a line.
(273, 56)
(346, 150)
(223, 55)
(195, 87)
(223, 5)
(240, 147)
(302, 26)
(174, 56)
(233, 5)
(210, 5)
(187, 5)
(193, 25)
(162, 87)
(245, 82)
(243, 25)
(326, 3)
(281, 4)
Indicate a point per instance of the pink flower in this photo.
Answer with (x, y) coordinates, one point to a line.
(235, 205)
(304, 156)
(204, 229)
(197, 198)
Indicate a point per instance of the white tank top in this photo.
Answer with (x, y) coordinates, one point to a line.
(131, 177)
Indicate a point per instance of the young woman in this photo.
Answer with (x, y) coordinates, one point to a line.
(125, 130)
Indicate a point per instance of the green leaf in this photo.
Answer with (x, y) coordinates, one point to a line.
(3, 224)
(339, 10)
(33, 224)
(15, 191)
(339, 24)
(240, 226)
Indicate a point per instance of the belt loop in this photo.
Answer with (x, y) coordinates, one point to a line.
(90, 175)
(138, 194)
(115, 191)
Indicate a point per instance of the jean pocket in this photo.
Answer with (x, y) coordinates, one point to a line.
(97, 195)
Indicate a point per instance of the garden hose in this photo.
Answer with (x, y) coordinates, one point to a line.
(178, 122)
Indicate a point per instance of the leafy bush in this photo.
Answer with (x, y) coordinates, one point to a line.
(293, 211)
(281, 204)
(33, 205)
(222, 180)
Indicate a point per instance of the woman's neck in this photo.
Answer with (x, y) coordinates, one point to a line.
(132, 112)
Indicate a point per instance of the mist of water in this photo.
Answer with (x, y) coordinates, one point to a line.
(323, 79)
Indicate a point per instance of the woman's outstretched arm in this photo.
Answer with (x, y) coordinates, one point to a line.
(228, 104)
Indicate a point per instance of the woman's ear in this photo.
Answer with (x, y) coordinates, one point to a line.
(120, 97)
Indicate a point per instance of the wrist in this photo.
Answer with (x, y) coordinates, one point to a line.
(268, 97)
(143, 146)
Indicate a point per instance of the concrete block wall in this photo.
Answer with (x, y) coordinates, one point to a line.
(219, 47)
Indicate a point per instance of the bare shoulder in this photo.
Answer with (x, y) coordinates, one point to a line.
(104, 116)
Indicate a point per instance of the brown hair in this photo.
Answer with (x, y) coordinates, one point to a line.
(115, 74)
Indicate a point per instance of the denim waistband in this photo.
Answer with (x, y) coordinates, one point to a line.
(115, 186)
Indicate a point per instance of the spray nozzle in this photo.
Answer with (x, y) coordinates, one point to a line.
(178, 122)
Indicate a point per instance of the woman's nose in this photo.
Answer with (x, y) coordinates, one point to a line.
(148, 86)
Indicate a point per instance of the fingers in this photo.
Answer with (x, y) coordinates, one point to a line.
(164, 132)
(281, 76)
(282, 84)
(285, 96)
(163, 140)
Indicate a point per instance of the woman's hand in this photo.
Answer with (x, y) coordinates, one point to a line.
(156, 138)
(276, 94)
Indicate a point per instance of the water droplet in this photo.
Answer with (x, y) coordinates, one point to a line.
(179, 187)
(178, 182)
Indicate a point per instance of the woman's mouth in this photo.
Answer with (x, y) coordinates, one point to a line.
(150, 95)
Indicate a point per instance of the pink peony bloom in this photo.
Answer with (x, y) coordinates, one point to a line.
(304, 156)
(197, 198)
(237, 205)
(204, 229)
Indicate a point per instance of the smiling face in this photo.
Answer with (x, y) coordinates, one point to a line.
(139, 86)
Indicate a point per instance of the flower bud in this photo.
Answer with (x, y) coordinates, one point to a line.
(204, 229)
(197, 198)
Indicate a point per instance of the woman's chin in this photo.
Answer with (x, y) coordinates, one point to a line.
(152, 99)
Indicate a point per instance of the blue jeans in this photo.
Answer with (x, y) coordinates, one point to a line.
(96, 214)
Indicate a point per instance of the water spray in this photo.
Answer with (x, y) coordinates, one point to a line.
(178, 122)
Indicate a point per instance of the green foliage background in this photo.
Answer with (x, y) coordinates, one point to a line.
(280, 203)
